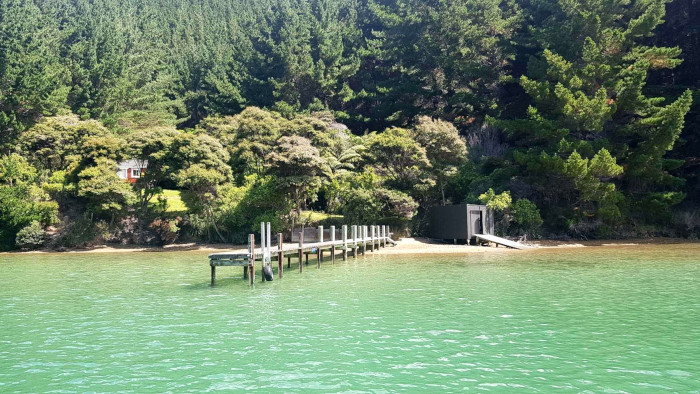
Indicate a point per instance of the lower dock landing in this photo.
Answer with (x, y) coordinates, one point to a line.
(500, 241)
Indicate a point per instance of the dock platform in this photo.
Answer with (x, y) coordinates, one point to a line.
(500, 241)
(362, 239)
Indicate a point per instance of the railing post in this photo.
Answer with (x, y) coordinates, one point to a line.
(301, 250)
(372, 237)
(262, 248)
(354, 240)
(332, 244)
(251, 258)
(364, 239)
(280, 255)
(376, 237)
(345, 242)
(319, 250)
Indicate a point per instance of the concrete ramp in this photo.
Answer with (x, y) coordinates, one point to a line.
(501, 241)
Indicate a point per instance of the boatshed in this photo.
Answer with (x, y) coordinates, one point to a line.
(460, 222)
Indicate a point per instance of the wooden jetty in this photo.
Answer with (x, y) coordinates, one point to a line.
(500, 241)
(362, 239)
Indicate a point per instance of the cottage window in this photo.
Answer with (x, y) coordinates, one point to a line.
(136, 173)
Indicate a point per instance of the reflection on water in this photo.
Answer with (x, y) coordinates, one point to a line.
(579, 319)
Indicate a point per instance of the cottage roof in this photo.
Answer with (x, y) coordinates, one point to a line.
(133, 163)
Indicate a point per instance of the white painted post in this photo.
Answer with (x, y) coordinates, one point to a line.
(262, 237)
(372, 248)
(263, 245)
(354, 240)
(301, 249)
(364, 239)
(268, 238)
(332, 244)
(345, 242)
(320, 239)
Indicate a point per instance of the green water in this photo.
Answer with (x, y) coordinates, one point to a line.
(598, 319)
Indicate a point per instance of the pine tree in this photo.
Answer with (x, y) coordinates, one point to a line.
(32, 76)
(589, 103)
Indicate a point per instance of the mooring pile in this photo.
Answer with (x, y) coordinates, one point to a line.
(362, 239)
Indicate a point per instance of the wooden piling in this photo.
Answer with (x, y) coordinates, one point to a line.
(354, 241)
(263, 246)
(333, 245)
(345, 242)
(301, 250)
(364, 239)
(319, 251)
(371, 249)
(280, 255)
(251, 259)
(213, 274)
(378, 237)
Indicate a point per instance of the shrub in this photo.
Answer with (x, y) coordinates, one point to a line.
(527, 216)
(167, 229)
(31, 237)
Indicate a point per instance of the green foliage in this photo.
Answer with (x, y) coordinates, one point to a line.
(497, 202)
(444, 147)
(166, 229)
(399, 157)
(32, 75)
(573, 106)
(21, 205)
(14, 169)
(31, 236)
(526, 216)
(240, 209)
(104, 191)
(364, 200)
(298, 167)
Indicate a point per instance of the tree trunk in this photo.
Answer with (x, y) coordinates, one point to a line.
(442, 190)
(213, 223)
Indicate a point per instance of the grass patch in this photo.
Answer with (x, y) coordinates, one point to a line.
(173, 199)
(313, 218)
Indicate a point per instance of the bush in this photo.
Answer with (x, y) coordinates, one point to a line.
(32, 236)
(167, 230)
(527, 216)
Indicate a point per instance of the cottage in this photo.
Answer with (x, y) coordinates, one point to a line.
(131, 170)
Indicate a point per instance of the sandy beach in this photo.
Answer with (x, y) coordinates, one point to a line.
(403, 246)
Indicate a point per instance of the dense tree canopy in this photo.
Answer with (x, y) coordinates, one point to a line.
(585, 114)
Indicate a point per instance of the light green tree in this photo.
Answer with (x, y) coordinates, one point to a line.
(444, 148)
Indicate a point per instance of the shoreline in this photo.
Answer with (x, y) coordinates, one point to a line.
(404, 246)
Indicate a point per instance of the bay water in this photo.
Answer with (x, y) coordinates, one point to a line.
(603, 319)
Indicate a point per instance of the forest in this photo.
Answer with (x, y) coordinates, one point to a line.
(571, 119)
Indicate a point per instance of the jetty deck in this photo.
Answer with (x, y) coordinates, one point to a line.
(362, 239)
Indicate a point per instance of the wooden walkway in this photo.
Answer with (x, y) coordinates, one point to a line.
(500, 241)
(363, 238)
